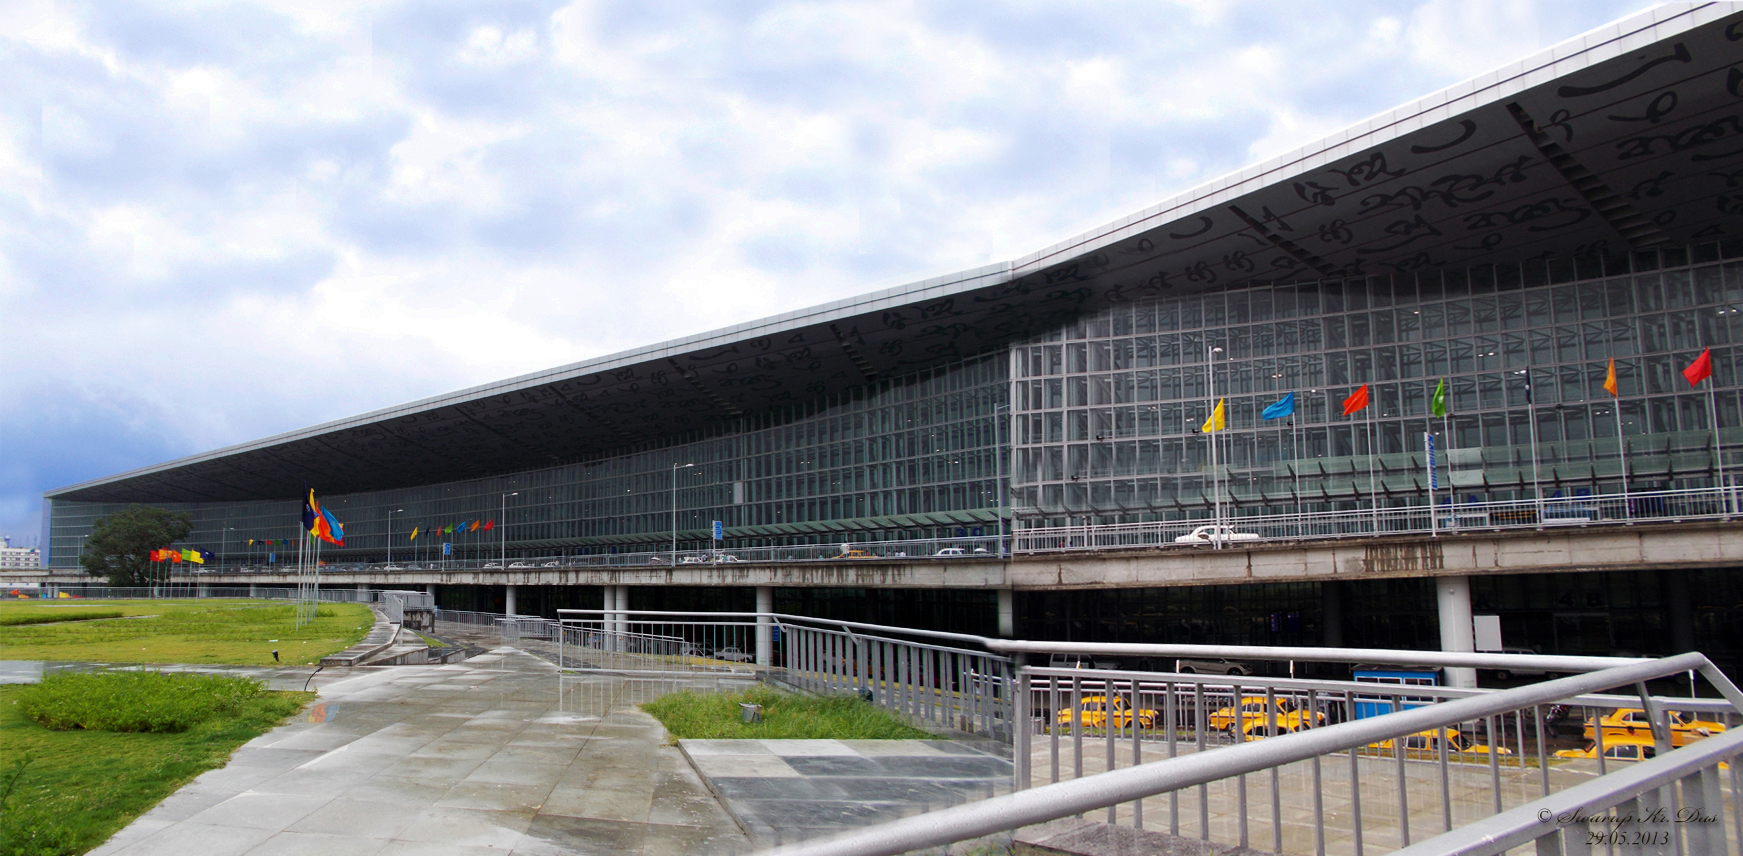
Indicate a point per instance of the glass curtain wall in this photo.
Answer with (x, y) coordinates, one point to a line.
(911, 457)
(1107, 411)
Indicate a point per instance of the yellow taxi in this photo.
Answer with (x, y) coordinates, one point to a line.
(1621, 748)
(1429, 741)
(1633, 722)
(1092, 712)
(1285, 717)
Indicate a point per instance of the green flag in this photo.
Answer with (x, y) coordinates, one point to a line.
(1437, 404)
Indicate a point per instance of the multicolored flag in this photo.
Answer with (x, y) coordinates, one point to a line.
(193, 556)
(333, 532)
(311, 512)
(1356, 401)
(1700, 369)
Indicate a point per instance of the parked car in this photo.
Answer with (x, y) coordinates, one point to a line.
(725, 559)
(1214, 535)
(1504, 674)
(1081, 661)
(491, 565)
(1213, 667)
(392, 568)
(552, 564)
(1430, 739)
(521, 565)
(734, 654)
(693, 560)
(1092, 712)
(1619, 748)
(1632, 722)
(950, 551)
(1285, 717)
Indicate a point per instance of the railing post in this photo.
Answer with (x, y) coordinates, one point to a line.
(1020, 731)
(765, 621)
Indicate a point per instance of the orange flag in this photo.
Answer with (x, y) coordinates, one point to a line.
(1356, 401)
(1610, 379)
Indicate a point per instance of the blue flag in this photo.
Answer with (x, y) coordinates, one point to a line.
(1284, 406)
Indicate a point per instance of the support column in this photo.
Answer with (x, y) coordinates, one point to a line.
(1679, 610)
(765, 624)
(205, 591)
(430, 589)
(254, 590)
(1454, 597)
(1331, 614)
(1007, 613)
(362, 594)
(508, 606)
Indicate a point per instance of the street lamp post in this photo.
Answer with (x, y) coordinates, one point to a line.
(675, 468)
(390, 515)
(999, 473)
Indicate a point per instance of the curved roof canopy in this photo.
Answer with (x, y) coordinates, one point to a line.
(1627, 138)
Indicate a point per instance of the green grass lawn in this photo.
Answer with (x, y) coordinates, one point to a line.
(80, 787)
(231, 632)
(786, 716)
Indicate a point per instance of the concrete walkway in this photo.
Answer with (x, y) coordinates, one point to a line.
(497, 755)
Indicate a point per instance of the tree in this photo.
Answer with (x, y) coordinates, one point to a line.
(120, 545)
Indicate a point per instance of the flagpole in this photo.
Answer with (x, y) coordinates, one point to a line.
(1531, 420)
(1373, 495)
(1718, 446)
(1622, 447)
(1216, 492)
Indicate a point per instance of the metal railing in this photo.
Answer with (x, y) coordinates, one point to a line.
(1597, 510)
(913, 672)
(1405, 762)
(658, 642)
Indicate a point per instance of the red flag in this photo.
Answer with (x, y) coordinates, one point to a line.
(1356, 401)
(1700, 369)
(175, 556)
(490, 525)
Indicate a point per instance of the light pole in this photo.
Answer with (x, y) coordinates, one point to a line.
(999, 473)
(390, 515)
(503, 535)
(675, 468)
(224, 545)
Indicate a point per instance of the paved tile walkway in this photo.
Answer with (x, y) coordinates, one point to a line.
(497, 755)
(783, 791)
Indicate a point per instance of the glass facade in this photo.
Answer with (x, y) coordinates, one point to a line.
(1104, 418)
(911, 457)
(1107, 410)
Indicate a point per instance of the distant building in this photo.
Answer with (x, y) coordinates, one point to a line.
(18, 557)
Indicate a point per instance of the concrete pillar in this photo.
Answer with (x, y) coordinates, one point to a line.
(205, 591)
(363, 594)
(1454, 597)
(1331, 614)
(254, 590)
(508, 606)
(430, 589)
(765, 623)
(1007, 613)
(1679, 610)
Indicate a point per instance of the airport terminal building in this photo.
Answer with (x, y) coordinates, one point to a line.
(1513, 236)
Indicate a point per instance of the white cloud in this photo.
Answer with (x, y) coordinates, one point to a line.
(212, 201)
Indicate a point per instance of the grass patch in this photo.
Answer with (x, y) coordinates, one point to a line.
(157, 702)
(54, 617)
(65, 792)
(231, 632)
(786, 716)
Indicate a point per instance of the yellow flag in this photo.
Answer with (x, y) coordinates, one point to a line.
(414, 534)
(1216, 422)
(1610, 379)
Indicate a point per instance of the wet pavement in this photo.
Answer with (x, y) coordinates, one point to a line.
(782, 791)
(497, 755)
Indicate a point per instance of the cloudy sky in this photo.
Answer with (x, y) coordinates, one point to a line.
(220, 220)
